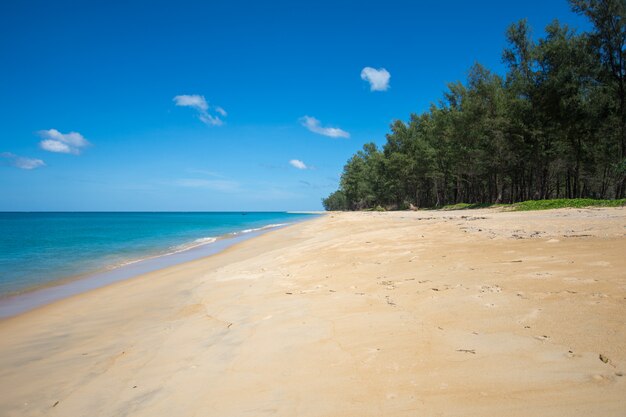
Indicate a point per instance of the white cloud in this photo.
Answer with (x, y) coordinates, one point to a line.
(22, 162)
(314, 126)
(296, 163)
(210, 120)
(54, 146)
(199, 103)
(55, 141)
(378, 78)
(193, 100)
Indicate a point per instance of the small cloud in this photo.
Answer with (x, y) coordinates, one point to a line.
(378, 78)
(296, 163)
(55, 141)
(199, 103)
(210, 120)
(193, 100)
(54, 146)
(314, 126)
(22, 162)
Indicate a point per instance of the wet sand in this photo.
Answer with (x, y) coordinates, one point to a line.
(431, 313)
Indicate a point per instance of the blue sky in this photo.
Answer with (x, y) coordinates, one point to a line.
(202, 105)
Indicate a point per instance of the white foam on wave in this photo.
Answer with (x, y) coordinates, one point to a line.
(124, 263)
(173, 250)
(191, 245)
(269, 226)
(198, 242)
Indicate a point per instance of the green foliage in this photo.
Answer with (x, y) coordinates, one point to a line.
(543, 204)
(466, 206)
(567, 203)
(553, 127)
(335, 202)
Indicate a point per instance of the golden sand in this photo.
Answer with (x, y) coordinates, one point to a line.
(464, 313)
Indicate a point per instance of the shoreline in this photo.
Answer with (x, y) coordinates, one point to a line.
(30, 298)
(353, 314)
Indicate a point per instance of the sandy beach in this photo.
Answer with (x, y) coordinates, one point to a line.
(429, 313)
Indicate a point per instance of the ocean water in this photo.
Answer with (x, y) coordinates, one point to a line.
(37, 249)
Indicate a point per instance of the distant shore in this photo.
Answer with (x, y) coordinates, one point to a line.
(475, 312)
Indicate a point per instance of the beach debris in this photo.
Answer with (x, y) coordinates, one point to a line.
(604, 358)
(134, 386)
(389, 301)
(619, 373)
(55, 404)
(435, 289)
(472, 351)
(289, 293)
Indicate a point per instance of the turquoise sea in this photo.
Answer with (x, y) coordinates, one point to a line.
(37, 249)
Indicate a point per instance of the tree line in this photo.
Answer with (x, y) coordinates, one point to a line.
(554, 126)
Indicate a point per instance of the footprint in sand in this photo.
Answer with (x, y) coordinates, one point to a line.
(603, 379)
(388, 284)
(490, 289)
(390, 301)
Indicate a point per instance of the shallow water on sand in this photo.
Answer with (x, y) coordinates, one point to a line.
(39, 249)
